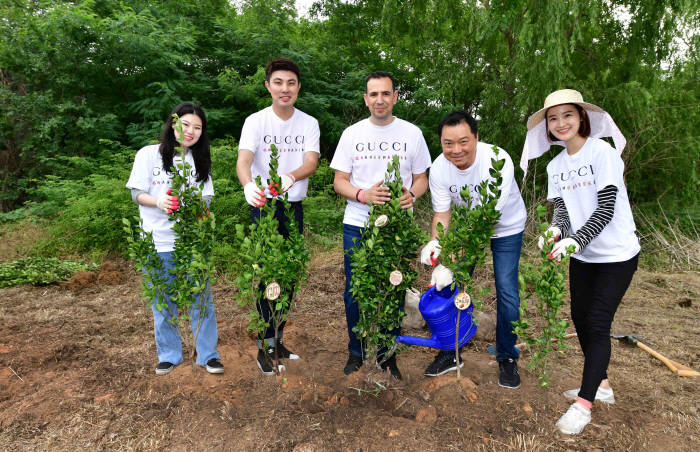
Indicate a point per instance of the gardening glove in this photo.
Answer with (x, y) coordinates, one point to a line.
(560, 251)
(168, 203)
(556, 234)
(253, 195)
(287, 182)
(441, 277)
(430, 253)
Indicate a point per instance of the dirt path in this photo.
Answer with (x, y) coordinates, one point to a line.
(76, 371)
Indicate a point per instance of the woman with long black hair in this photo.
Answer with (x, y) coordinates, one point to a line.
(150, 184)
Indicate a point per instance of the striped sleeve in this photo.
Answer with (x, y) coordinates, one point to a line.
(599, 219)
(561, 217)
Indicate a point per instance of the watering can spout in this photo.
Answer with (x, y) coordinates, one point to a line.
(422, 341)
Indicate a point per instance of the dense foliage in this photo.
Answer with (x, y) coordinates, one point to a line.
(382, 266)
(39, 271)
(85, 83)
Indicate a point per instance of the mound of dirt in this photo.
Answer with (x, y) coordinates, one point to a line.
(112, 273)
(80, 281)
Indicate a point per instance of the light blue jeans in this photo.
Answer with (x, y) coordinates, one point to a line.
(168, 343)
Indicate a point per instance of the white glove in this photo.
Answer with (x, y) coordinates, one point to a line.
(441, 277)
(168, 203)
(430, 253)
(253, 195)
(287, 182)
(559, 249)
(556, 234)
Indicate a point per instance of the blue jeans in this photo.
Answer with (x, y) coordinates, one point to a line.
(506, 257)
(168, 343)
(352, 312)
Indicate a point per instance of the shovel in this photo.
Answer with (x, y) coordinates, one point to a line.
(676, 368)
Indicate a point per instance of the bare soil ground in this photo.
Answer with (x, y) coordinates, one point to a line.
(77, 361)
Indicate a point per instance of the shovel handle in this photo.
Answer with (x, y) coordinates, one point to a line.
(658, 356)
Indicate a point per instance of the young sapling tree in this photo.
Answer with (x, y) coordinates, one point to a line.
(471, 227)
(268, 265)
(545, 338)
(382, 267)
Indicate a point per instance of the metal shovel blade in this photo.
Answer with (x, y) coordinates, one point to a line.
(627, 337)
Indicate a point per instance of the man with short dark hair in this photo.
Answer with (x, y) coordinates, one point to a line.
(465, 161)
(360, 161)
(296, 136)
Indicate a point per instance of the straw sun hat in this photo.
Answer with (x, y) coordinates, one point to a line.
(536, 142)
(563, 96)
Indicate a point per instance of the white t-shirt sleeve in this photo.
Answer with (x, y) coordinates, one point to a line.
(342, 158)
(249, 135)
(507, 178)
(313, 134)
(439, 187)
(421, 161)
(208, 187)
(140, 177)
(609, 166)
(553, 191)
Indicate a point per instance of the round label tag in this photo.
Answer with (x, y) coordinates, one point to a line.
(272, 291)
(381, 221)
(395, 277)
(462, 301)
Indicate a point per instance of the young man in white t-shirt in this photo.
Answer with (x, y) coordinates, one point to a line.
(296, 136)
(466, 161)
(360, 161)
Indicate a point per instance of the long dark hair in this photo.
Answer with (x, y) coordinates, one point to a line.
(200, 150)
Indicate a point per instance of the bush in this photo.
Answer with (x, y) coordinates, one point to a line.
(91, 219)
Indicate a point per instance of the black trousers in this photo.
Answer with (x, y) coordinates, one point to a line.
(596, 292)
(263, 304)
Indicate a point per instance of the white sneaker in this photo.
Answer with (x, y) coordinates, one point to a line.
(574, 420)
(602, 395)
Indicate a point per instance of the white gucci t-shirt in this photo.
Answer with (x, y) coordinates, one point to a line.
(577, 179)
(446, 181)
(293, 137)
(365, 149)
(148, 175)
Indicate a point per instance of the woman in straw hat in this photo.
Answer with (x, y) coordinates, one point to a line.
(592, 218)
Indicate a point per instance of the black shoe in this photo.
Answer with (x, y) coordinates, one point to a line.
(266, 362)
(214, 366)
(164, 368)
(353, 365)
(389, 364)
(509, 376)
(283, 352)
(444, 362)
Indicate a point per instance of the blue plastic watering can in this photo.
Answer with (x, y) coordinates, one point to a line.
(440, 313)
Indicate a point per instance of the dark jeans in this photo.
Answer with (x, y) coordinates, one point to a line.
(352, 311)
(596, 292)
(263, 304)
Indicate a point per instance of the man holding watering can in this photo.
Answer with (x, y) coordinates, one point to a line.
(465, 162)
